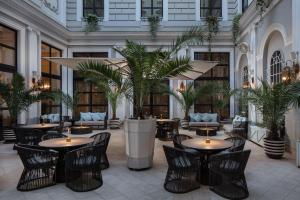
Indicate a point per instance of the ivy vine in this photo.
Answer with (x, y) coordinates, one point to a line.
(153, 25)
(212, 25)
(236, 28)
(91, 22)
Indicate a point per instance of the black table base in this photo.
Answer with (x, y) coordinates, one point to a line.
(201, 132)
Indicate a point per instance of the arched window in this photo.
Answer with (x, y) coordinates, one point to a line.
(245, 74)
(276, 67)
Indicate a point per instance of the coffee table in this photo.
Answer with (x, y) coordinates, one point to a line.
(80, 130)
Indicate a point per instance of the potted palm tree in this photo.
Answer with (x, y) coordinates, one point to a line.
(143, 70)
(18, 99)
(273, 102)
(186, 98)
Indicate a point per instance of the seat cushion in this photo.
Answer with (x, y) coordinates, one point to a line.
(204, 124)
(89, 123)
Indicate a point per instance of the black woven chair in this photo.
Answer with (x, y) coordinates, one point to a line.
(182, 171)
(52, 135)
(82, 167)
(226, 174)
(103, 140)
(28, 136)
(39, 167)
(238, 144)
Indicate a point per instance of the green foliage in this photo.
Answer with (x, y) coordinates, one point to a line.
(187, 97)
(144, 69)
(70, 101)
(212, 24)
(91, 23)
(273, 101)
(153, 25)
(17, 98)
(236, 28)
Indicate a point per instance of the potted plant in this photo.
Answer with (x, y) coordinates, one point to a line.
(71, 102)
(91, 22)
(153, 25)
(18, 99)
(186, 99)
(212, 28)
(273, 102)
(143, 70)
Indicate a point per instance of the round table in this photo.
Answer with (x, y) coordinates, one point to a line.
(62, 146)
(163, 125)
(206, 150)
(43, 127)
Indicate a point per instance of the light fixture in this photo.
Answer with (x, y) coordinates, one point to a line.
(181, 87)
(246, 84)
(291, 69)
(37, 83)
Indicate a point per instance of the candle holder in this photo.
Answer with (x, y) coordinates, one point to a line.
(207, 141)
(68, 139)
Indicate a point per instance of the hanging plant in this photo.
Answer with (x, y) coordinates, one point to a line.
(153, 25)
(91, 22)
(212, 23)
(261, 6)
(236, 28)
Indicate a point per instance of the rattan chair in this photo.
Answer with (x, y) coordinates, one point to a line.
(39, 167)
(177, 139)
(238, 144)
(82, 167)
(103, 140)
(28, 136)
(226, 174)
(52, 135)
(182, 171)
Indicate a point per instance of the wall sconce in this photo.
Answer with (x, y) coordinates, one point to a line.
(181, 87)
(246, 85)
(37, 83)
(291, 69)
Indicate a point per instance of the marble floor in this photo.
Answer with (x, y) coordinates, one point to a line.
(267, 179)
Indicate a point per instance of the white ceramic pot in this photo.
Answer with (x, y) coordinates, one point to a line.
(140, 140)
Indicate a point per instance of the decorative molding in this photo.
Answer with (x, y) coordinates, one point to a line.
(52, 5)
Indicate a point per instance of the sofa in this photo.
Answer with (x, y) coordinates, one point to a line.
(96, 120)
(202, 120)
(55, 119)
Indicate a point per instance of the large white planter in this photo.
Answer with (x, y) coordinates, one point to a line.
(140, 138)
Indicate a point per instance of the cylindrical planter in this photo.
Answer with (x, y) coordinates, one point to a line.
(140, 138)
(114, 123)
(184, 123)
(274, 149)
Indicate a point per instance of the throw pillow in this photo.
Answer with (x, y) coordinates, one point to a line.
(205, 117)
(55, 118)
(198, 117)
(192, 117)
(85, 116)
(213, 117)
(50, 118)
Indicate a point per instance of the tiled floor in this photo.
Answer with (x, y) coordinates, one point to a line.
(267, 179)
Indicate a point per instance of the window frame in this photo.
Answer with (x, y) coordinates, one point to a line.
(210, 100)
(210, 8)
(90, 105)
(152, 9)
(245, 5)
(9, 68)
(94, 8)
(51, 76)
(276, 62)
